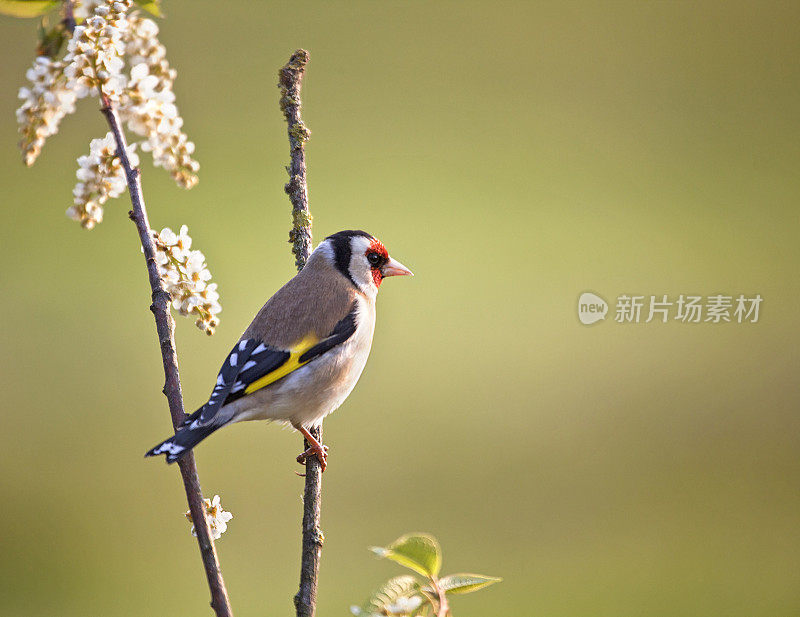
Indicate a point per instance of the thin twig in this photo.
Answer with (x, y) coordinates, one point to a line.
(443, 609)
(165, 328)
(69, 16)
(290, 80)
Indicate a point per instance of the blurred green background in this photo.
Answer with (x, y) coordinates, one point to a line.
(513, 155)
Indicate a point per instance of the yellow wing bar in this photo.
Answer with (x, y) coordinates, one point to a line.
(293, 363)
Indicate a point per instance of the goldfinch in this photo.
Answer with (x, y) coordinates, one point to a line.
(303, 353)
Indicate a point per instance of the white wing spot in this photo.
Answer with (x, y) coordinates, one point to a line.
(220, 380)
(239, 385)
(169, 447)
(234, 359)
(242, 345)
(261, 347)
(249, 364)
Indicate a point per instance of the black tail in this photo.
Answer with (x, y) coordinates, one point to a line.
(184, 439)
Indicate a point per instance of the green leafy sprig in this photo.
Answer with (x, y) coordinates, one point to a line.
(408, 596)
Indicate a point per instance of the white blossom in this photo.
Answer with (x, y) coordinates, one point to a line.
(44, 104)
(216, 516)
(404, 606)
(100, 177)
(179, 243)
(84, 8)
(148, 104)
(95, 52)
(186, 277)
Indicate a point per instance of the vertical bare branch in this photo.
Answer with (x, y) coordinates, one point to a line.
(165, 328)
(290, 80)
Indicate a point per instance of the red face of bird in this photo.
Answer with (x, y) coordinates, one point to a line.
(363, 259)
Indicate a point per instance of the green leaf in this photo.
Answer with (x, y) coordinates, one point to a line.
(418, 551)
(390, 592)
(26, 8)
(465, 583)
(151, 6)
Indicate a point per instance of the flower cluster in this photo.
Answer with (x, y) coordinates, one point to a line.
(105, 40)
(149, 105)
(185, 275)
(106, 44)
(44, 105)
(100, 177)
(216, 516)
(95, 51)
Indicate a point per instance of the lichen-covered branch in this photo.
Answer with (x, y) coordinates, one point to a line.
(165, 327)
(290, 80)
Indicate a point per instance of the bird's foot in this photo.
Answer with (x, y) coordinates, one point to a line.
(318, 450)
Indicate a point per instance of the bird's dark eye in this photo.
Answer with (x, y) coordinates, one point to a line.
(374, 259)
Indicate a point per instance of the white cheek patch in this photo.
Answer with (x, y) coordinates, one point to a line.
(360, 269)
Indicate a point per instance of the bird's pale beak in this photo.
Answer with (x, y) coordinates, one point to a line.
(395, 268)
